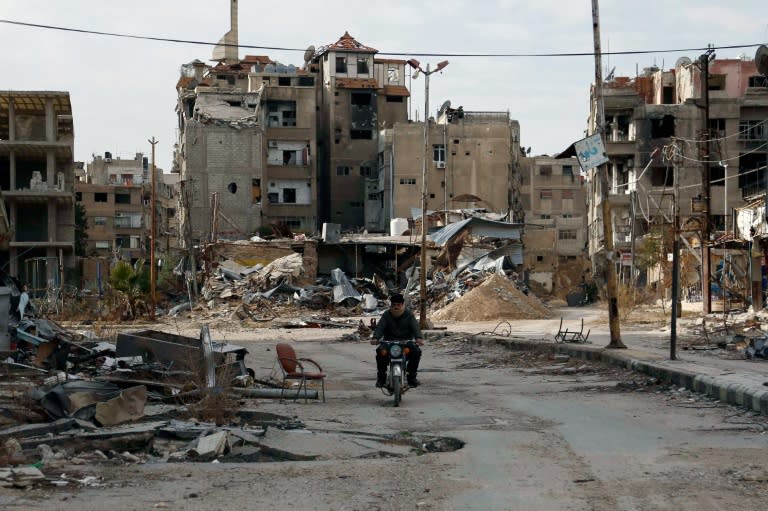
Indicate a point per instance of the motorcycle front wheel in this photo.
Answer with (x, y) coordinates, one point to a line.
(397, 390)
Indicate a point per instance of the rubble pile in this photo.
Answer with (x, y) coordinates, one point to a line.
(495, 298)
(68, 398)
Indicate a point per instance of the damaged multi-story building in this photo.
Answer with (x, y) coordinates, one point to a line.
(671, 130)
(247, 133)
(554, 197)
(473, 163)
(358, 95)
(36, 186)
(281, 144)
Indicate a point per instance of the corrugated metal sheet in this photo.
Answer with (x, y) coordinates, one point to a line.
(479, 227)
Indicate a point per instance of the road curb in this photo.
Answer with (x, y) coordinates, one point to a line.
(727, 389)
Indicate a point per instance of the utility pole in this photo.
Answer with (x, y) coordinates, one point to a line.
(153, 265)
(415, 64)
(676, 312)
(610, 268)
(705, 227)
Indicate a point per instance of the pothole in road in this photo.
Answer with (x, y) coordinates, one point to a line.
(308, 445)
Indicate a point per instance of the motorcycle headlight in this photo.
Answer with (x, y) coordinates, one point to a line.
(395, 350)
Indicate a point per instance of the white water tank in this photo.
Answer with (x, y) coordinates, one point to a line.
(397, 226)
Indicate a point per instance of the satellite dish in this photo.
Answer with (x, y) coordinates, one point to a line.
(308, 54)
(682, 61)
(445, 106)
(761, 60)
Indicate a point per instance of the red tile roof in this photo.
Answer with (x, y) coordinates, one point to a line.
(348, 43)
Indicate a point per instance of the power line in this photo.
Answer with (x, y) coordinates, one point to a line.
(412, 54)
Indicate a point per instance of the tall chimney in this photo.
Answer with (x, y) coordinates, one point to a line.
(226, 50)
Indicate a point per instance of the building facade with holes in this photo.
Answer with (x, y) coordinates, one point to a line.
(472, 163)
(666, 130)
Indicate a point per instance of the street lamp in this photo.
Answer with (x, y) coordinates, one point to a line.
(415, 64)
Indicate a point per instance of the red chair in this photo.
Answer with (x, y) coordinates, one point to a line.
(293, 369)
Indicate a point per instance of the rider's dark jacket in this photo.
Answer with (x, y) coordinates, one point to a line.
(403, 328)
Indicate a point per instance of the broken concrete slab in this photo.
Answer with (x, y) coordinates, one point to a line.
(210, 446)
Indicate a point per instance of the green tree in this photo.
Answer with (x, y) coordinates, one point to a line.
(81, 230)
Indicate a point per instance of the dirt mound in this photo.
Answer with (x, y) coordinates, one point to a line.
(495, 298)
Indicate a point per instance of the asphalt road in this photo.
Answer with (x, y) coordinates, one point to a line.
(538, 433)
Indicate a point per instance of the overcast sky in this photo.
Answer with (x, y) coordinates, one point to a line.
(123, 90)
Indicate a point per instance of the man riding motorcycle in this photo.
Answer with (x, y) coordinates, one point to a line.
(398, 324)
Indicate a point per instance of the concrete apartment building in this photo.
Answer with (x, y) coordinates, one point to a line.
(660, 109)
(358, 95)
(247, 131)
(36, 183)
(555, 239)
(473, 163)
(115, 194)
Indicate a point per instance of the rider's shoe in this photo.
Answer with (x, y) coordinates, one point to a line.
(413, 382)
(380, 380)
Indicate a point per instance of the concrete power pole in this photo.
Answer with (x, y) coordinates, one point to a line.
(706, 290)
(153, 264)
(610, 268)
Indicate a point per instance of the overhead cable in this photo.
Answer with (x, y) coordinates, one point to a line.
(413, 54)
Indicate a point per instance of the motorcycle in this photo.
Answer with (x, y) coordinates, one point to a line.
(396, 383)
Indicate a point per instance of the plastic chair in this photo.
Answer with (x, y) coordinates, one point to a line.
(293, 369)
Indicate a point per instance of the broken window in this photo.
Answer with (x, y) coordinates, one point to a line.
(717, 128)
(668, 95)
(757, 81)
(752, 130)
(284, 81)
(273, 197)
(255, 191)
(100, 197)
(281, 114)
(366, 171)
(79, 196)
(568, 171)
(306, 81)
(394, 99)
(752, 173)
(717, 175)
(289, 195)
(99, 220)
(663, 127)
(407, 180)
(662, 176)
(545, 170)
(341, 64)
(716, 82)
(122, 198)
(361, 134)
(361, 99)
(342, 170)
(438, 153)
(362, 66)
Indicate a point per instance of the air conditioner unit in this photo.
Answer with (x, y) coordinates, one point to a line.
(272, 143)
(440, 164)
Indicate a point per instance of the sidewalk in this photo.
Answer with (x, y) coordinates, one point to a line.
(735, 380)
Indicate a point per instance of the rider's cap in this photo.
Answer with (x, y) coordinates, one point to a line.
(396, 298)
